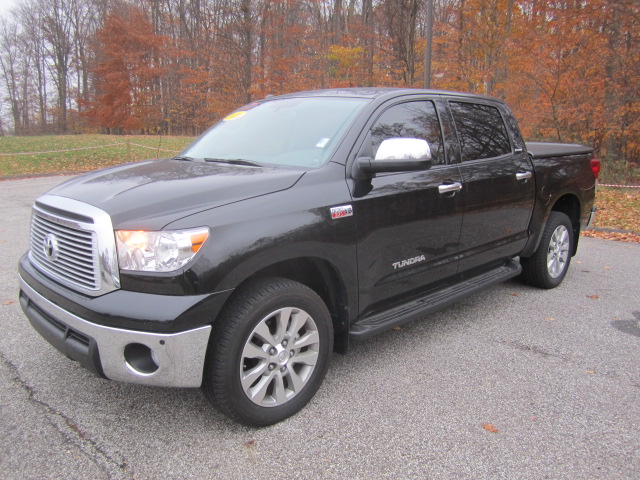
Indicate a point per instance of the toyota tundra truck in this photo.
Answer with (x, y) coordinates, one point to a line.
(294, 226)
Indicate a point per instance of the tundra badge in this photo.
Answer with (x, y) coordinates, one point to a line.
(408, 261)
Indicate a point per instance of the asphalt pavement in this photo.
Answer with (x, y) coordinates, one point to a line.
(512, 383)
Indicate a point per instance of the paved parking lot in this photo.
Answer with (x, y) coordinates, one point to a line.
(513, 383)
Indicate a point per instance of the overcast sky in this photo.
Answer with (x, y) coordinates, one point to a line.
(5, 6)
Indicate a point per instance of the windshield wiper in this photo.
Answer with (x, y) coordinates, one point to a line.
(233, 161)
(186, 159)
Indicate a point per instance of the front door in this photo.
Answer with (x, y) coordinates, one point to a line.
(407, 229)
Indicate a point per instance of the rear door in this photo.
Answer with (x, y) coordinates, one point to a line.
(407, 230)
(498, 185)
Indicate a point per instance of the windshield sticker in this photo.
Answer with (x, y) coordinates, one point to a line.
(234, 116)
(322, 143)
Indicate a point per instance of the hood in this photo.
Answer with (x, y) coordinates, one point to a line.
(152, 194)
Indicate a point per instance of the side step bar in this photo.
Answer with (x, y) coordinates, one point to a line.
(433, 301)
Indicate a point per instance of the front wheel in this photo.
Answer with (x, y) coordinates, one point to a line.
(269, 352)
(547, 267)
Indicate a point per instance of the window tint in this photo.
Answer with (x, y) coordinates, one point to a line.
(410, 120)
(481, 131)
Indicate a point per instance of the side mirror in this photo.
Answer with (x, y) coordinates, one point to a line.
(395, 155)
(403, 149)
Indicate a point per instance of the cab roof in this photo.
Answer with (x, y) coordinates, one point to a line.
(374, 92)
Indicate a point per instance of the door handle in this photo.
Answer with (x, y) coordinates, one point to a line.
(523, 176)
(449, 187)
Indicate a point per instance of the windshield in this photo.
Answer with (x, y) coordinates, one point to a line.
(291, 131)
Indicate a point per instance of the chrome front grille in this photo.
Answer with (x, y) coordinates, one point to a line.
(73, 243)
(66, 253)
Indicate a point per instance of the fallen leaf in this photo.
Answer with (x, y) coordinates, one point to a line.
(606, 267)
(8, 302)
(550, 319)
(515, 295)
(616, 236)
(578, 261)
(397, 328)
(593, 297)
(586, 271)
(250, 443)
(490, 428)
(591, 372)
(618, 209)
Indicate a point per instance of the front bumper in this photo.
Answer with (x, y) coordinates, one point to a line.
(159, 359)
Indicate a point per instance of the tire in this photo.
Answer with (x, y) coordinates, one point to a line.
(269, 352)
(547, 267)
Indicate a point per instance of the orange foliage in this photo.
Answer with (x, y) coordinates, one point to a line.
(127, 75)
(568, 69)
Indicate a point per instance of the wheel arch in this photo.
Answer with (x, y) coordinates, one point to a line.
(569, 204)
(323, 278)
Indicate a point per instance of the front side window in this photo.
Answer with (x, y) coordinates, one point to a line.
(410, 120)
(288, 132)
(481, 131)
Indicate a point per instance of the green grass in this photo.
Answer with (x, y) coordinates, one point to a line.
(87, 152)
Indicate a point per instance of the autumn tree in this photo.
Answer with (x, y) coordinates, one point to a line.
(569, 69)
(15, 77)
(29, 16)
(620, 24)
(127, 96)
(399, 20)
(58, 35)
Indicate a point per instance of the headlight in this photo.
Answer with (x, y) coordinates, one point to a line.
(158, 251)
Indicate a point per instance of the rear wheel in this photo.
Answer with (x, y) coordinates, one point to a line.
(269, 352)
(547, 267)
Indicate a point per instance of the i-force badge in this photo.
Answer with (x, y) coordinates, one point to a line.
(341, 212)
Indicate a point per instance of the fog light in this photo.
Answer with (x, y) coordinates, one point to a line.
(140, 358)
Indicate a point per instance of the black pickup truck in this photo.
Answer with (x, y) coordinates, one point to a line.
(293, 226)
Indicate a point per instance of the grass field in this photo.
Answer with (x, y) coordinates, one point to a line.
(81, 153)
(617, 208)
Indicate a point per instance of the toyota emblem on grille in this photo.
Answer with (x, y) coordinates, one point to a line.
(50, 246)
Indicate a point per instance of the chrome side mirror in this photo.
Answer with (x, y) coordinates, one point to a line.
(403, 149)
(394, 155)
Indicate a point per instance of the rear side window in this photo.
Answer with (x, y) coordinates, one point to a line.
(410, 120)
(481, 131)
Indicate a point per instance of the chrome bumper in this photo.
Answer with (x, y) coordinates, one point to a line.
(168, 360)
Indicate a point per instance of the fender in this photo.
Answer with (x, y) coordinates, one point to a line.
(254, 236)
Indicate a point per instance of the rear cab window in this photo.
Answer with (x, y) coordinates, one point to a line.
(481, 131)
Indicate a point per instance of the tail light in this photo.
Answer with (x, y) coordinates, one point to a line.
(595, 167)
